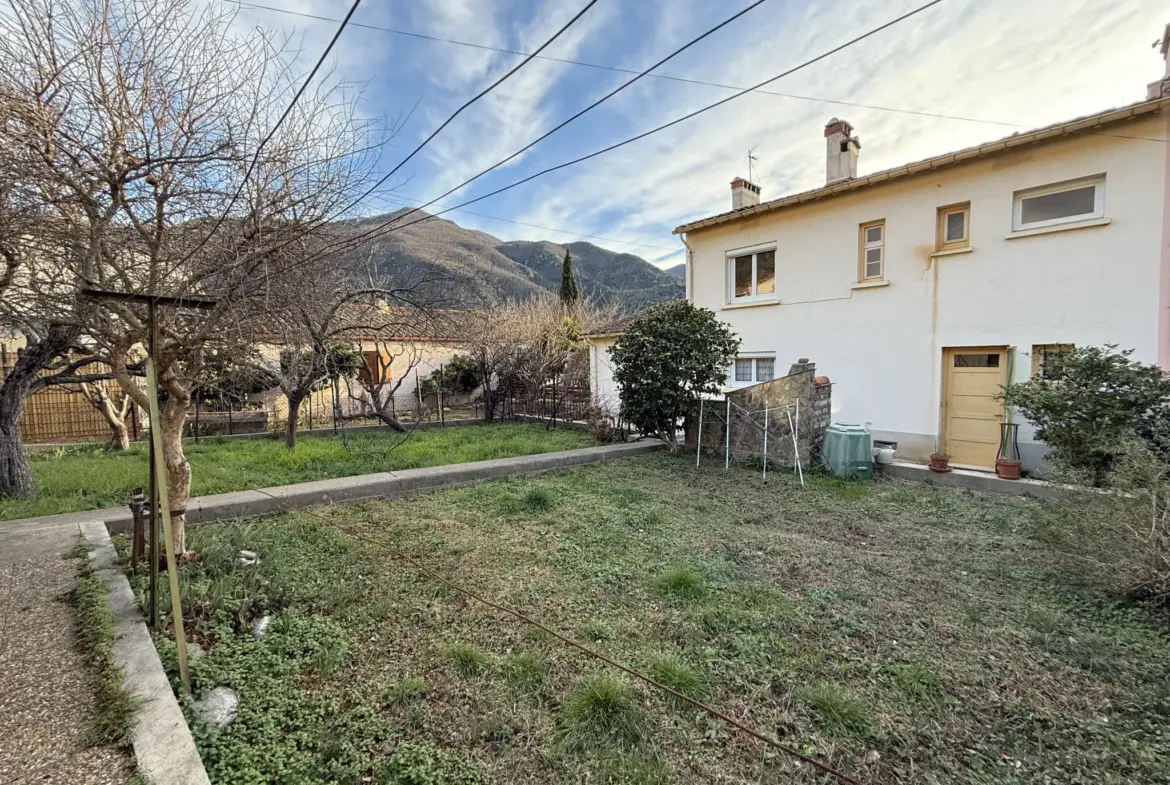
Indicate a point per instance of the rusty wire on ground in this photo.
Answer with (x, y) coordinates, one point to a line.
(745, 729)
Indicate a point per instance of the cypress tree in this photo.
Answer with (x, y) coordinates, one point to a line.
(570, 293)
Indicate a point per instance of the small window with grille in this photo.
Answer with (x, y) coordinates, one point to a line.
(753, 370)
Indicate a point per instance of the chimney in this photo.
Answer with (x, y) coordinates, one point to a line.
(744, 193)
(1161, 88)
(841, 152)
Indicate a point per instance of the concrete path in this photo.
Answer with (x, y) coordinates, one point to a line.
(45, 695)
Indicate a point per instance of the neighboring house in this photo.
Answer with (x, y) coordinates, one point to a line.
(922, 289)
(602, 385)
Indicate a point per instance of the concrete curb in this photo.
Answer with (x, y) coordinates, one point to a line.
(975, 481)
(267, 501)
(164, 748)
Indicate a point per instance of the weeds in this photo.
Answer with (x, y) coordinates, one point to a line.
(114, 708)
(836, 709)
(602, 709)
(682, 583)
(526, 670)
(467, 658)
(675, 673)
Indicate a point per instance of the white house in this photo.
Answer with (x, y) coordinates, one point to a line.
(920, 290)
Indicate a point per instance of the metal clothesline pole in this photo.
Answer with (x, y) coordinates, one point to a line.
(699, 438)
(766, 444)
(795, 450)
(727, 438)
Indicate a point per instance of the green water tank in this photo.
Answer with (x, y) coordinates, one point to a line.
(846, 451)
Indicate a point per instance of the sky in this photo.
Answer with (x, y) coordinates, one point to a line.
(1017, 63)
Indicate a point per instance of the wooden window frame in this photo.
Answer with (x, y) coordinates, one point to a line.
(754, 252)
(1018, 198)
(863, 246)
(1038, 350)
(941, 243)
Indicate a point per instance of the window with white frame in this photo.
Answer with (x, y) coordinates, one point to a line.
(1060, 203)
(753, 370)
(751, 274)
(871, 265)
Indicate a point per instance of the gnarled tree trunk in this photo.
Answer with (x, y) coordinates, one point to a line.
(22, 381)
(114, 415)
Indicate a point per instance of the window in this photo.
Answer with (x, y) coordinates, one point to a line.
(872, 262)
(1076, 200)
(1041, 354)
(753, 370)
(371, 368)
(977, 360)
(953, 227)
(752, 275)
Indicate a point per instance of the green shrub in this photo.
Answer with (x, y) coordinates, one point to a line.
(668, 357)
(526, 670)
(539, 499)
(1089, 401)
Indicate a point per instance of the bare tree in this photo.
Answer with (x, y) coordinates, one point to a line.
(113, 411)
(152, 144)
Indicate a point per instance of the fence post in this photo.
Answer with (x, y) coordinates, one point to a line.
(138, 540)
(198, 406)
(229, 403)
(439, 395)
(418, 391)
(336, 386)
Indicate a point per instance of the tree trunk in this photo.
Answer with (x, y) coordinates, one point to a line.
(174, 415)
(115, 416)
(22, 381)
(294, 414)
(15, 477)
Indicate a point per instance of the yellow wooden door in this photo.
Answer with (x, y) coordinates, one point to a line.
(972, 377)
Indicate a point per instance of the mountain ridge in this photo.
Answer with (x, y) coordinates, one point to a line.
(489, 269)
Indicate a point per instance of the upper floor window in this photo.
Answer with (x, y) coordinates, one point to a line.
(1075, 200)
(1042, 355)
(954, 227)
(753, 370)
(871, 264)
(751, 274)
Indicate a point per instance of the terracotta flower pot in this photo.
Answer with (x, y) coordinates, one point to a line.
(1007, 470)
(940, 463)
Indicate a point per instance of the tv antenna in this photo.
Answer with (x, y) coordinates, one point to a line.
(751, 157)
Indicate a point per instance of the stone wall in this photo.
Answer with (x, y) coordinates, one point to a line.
(799, 401)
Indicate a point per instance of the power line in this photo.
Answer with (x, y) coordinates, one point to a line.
(387, 228)
(601, 67)
(587, 109)
(255, 158)
(479, 95)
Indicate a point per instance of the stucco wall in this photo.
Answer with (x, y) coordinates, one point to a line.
(603, 387)
(882, 346)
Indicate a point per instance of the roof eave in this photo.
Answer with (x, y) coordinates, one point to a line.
(938, 162)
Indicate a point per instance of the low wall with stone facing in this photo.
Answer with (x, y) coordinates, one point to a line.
(799, 402)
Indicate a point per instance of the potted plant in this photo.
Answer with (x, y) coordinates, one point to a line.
(1007, 470)
(1007, 460)
(940, 462)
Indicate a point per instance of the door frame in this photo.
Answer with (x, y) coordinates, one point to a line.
(947, 352)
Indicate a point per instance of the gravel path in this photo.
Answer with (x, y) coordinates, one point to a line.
(45, 697)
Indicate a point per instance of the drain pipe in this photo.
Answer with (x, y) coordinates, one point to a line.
(689, 278)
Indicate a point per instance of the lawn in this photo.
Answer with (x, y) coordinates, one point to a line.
(89, 478)
(903, 633)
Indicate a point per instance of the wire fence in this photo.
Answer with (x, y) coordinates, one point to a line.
(62, 414)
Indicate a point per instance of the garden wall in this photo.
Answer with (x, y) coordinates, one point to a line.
(798, 402)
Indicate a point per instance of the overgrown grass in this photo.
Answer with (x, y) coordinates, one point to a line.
(114, 708)
(87, 478)
(898, 631)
